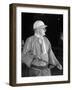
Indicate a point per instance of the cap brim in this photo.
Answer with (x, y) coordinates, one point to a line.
(43, 26)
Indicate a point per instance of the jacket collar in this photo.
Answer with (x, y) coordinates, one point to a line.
(37, 35)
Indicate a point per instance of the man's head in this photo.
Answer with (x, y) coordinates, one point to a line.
(39, 27)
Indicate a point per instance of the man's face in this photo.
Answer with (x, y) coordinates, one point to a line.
(42, 31)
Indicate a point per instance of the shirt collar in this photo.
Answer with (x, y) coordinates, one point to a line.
(37, 35)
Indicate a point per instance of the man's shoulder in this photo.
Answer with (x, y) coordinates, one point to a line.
(30, 38)
(47, 40)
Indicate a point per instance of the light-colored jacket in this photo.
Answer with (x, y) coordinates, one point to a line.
(32, 53)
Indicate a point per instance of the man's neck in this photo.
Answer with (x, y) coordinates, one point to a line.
(38, 35)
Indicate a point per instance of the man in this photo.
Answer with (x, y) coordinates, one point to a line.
(37, 52)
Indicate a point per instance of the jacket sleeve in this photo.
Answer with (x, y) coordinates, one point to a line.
(27, 55)
(52, 58)
(27, 46)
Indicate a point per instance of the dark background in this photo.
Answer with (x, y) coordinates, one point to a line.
(54, 30)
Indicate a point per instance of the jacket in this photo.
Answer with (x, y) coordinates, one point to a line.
(32, 53)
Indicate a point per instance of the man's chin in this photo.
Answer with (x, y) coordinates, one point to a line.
(43, 34)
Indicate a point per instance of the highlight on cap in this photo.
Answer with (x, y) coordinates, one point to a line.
(39, 24)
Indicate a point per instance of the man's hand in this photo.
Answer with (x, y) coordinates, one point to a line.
(59, 66)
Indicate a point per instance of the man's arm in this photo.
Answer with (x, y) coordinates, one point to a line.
(53, 60)
(27, 54)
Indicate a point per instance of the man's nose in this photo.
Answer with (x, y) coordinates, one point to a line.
(44, 30)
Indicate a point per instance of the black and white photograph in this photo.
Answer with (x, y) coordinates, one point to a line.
(41, 44)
